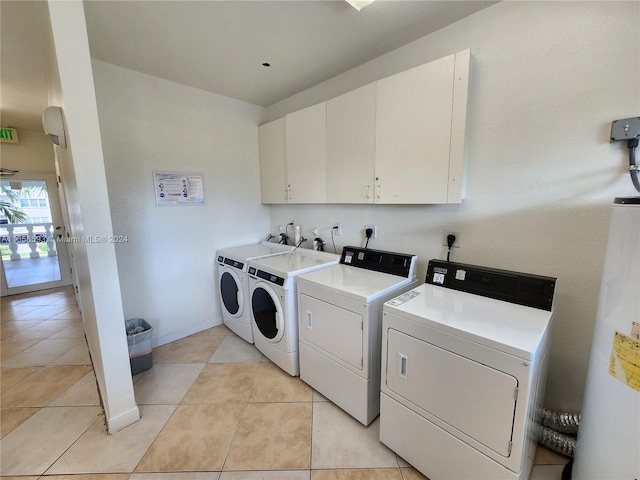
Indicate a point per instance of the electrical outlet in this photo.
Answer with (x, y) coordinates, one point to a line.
(445, 233)
(372, 227)
(337, 229)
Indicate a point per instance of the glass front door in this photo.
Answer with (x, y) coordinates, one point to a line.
(30, 225)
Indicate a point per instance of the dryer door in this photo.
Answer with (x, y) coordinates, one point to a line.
(473, 398)
(231, 292)
(266, 312)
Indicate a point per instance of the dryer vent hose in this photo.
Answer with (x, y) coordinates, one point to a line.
(557, 430)
(564, 422)
(556, 441)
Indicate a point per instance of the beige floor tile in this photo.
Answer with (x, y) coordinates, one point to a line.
(166, 383)
(412, 474)
(11, 312)
(11, 376)
(268, 475)
(78, 355)
(43, 353)
(12, 327)
(223, 383)
(357, 474)
(196, 438)
(272, 436)
(83, 392)
(157, 352)
(48, 312)
(36, 477)
(318, 397)
(340, 441)
(192, 349)
(546, 472)
(97, 476)
(234, 349)
(97, 452)
(176, 476)
(32, 447)
(546, 456)
(275, 385)
(12, 418)
(43, 386)
(217, 330)
(75, 330)
(38, 299)
(13, 346)
(48, 328)
(71, 314)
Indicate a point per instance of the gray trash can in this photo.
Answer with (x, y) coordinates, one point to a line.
(139, 342)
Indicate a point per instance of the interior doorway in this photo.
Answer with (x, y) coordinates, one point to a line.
(30, 227)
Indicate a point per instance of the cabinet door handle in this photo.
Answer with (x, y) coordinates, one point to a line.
(367, 192)
(286, 194)
(378, 191)
(309, 320)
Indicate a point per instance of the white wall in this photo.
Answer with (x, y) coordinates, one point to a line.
(32, 154)
(167, 267)
(81, 167)
(547, 79)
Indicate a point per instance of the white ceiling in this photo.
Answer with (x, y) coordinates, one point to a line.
(219, 46)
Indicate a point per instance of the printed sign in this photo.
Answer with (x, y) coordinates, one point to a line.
(178, 189)
(8, 135)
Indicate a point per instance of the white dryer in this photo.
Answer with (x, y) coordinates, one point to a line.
(464, 362)
(274, 317)
(340, 325)
(233, 283)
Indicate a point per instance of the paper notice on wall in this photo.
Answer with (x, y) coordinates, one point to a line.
(178, 189)
(635, 330)
(625, 360)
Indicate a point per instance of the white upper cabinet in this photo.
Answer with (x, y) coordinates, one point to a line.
(399, 140)
(351, 143)
(306, 141)
(420, 114)
(273, 162)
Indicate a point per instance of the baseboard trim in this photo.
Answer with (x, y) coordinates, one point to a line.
(123, 420)
(185, 332)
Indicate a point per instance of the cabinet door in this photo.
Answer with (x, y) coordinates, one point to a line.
(351, 144)
(273, 162)
(306, 155)
(413, 133)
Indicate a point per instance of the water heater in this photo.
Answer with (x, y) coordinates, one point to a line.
(608, 445)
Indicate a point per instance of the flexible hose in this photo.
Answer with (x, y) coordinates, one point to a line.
(556, 441)
(633, 168)
(565, 422)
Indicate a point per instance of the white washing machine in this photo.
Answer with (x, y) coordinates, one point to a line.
(274, 315)
(340, 325)
(464, 362)
(233, 283)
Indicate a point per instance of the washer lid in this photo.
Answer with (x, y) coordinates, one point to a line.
(295, 263)
(354, 282)
(244, 253)
(507, 327)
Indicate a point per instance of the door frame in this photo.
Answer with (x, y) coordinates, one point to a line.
(57, 221)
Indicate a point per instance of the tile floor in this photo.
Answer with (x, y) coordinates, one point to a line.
(212, 408)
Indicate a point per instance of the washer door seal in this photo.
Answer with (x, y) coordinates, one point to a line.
(266, 312)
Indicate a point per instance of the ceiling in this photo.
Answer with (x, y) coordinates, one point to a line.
(217, 46)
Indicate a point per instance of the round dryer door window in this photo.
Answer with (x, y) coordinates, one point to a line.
(231, 293)
(266, 313)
